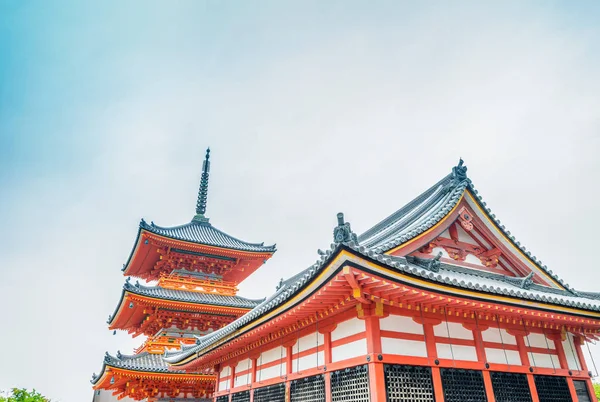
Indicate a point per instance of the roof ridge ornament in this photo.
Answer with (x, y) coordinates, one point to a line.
(431, 264)
(459, 172)
(342, 233)
(524, 282)
(203, 190)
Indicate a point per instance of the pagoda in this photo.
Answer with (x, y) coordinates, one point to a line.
(437, 302)
(190, 273)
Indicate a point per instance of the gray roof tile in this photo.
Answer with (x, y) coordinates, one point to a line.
(202, 232)
(145, 362)
(191, 297)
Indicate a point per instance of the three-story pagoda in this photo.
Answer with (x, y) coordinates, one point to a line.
(191, 272)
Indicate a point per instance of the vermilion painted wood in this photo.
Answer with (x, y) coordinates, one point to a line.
(327, 387)
(532, 388)
(572, 390)
(438, 390)
(489, 389)
(376, 382)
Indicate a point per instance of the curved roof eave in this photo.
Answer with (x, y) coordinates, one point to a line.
(203, 345)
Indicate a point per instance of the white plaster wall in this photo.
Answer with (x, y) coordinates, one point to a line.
(403, 347)
(271, 372)
(471, 259)
(246, 378)
(543, 360)
(349, 350)
(307, 362)
(464, 236)
(493, 335)
(226, 371)
(493, 355)
(278, 353)
(481, 239)
(571, 354)
(400, 323)
(243, 365)
(307, 342)
(460, 352)
(456, 331)
(347, 328)
(538, 341)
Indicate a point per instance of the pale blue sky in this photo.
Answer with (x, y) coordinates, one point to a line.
(310, 108)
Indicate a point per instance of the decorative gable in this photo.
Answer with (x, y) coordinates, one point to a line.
(467, 238)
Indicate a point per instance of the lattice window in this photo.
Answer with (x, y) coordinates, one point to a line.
(463, 385)
(243, 396)
(274, 393)
(582, 391)
(552, 388)
(510, 387)
(309, 389)
(351, 384)
(223, 398)
(408, 383)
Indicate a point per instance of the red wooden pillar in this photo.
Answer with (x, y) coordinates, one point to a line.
(371, 313)
(519, 334)
(532, 388)
(326, 331)
(254, 362)
(578, 343)
(556, 337)
(289, 350)
(436, 376)
(232, 379)
(560, 351)
(217, 370)
(572, 389)
(481, 358)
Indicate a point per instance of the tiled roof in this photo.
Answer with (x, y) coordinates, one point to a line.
(447, 274)
(191, 297)
(427, 210)
(184, 296)
(202, 232)
(145, 362)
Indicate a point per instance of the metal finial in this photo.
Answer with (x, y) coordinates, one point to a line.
(203, 191)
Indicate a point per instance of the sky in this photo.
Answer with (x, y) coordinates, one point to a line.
(310, 108)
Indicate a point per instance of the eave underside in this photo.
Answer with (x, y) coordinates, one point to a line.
(352, 282)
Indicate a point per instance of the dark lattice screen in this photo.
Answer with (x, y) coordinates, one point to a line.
(582, 391)
(243, 396)
(510, 387)
(408, 383)
(552, 388)
(351, 384)
(274, 393)
(309, 389)
(223, 398)
(463, 385)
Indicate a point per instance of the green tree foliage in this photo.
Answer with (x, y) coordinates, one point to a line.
(23, 395)
(597, 390)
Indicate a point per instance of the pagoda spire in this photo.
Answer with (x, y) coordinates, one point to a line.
(203, 191)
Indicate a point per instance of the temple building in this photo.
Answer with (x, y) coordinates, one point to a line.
(190, 273)
(437, 302)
